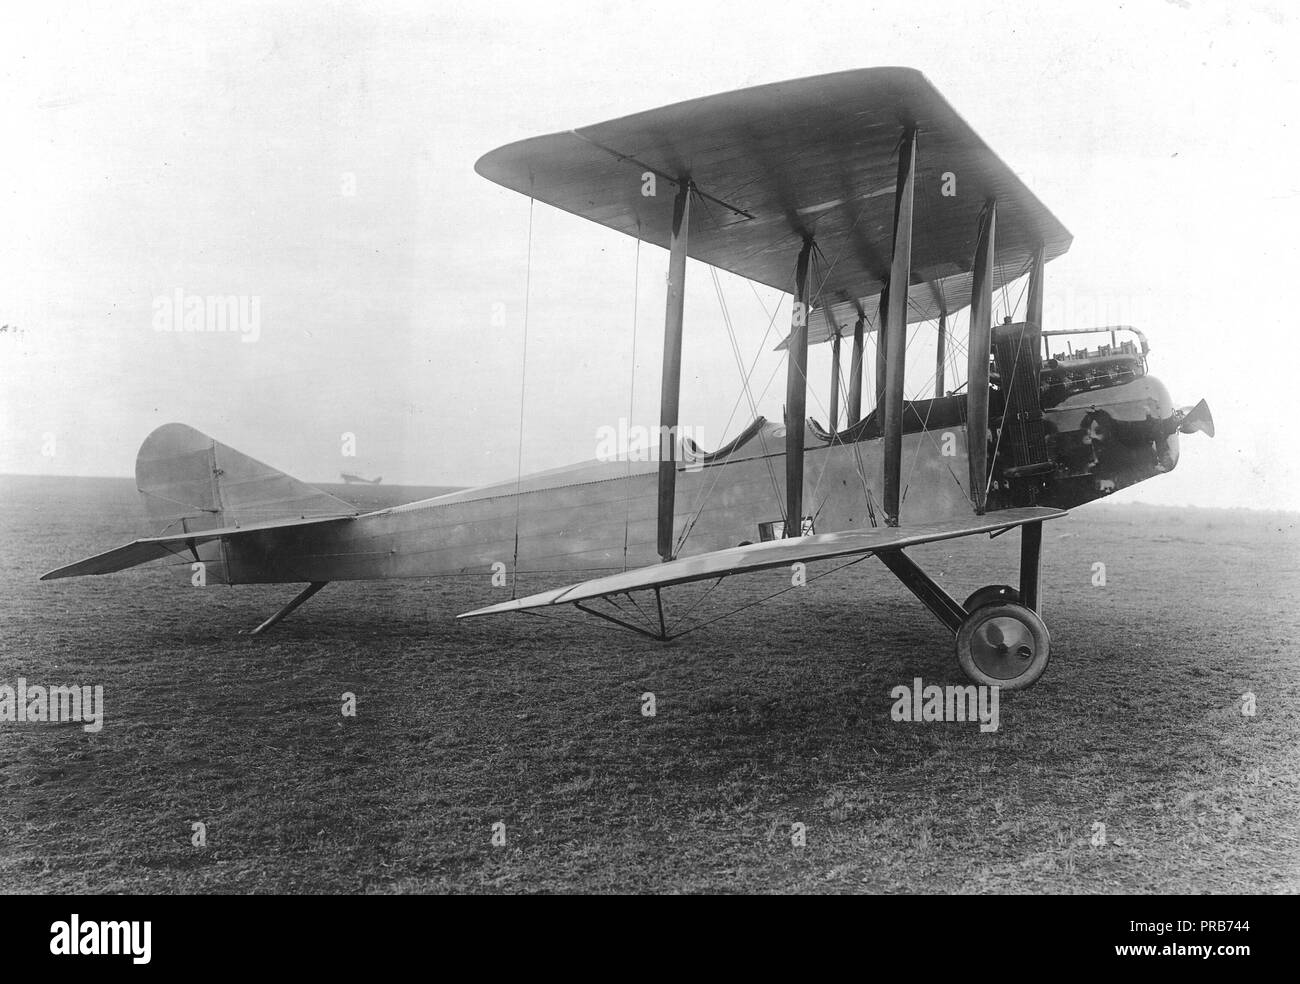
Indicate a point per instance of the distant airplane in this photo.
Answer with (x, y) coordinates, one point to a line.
(350, 479)
(865, 195)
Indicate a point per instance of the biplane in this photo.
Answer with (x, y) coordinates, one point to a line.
(838, 190)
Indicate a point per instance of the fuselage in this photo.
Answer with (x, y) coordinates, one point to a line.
(602, 515)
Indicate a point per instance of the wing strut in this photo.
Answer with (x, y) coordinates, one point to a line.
(977, 366)
(882, 352)
(940, 353)
(671, 389)
(835, 384)
(855, 374)
(1034, 313)
(796, 396)
(895, 326)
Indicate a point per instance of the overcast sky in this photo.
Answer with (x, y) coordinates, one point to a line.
(319, 158)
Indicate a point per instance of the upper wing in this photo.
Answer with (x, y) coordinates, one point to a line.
(156, 547)
(810, 157)
(774, 553)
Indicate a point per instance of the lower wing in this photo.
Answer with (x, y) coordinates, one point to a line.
(774, 553)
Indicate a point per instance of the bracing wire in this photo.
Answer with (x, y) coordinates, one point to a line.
(1006, 406)
(767, 598)
(707, 489)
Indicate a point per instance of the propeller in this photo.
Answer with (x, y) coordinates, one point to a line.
(1197, 418)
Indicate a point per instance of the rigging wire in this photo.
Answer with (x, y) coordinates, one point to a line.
(826, 459)
(771, 316)
(925, 429)
(731, 339)
(746, 390)
(1024, 288)
(1005, 407)
(707, 489)
(696, 604)
(760, 601)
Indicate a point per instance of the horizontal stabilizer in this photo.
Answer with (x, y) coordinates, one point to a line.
(156, 547)
(774, 553)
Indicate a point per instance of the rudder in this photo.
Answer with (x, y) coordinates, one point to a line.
(190, 482)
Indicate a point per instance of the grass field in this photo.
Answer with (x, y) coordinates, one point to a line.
(778, 716)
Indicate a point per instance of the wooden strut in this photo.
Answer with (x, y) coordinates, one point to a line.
(623, 623)
(835, 384)
(796, 395)
(882, 355)
(940, 354)
(895, 327)
(1031, 551)
(855, 374)
(977, 366)
(671, 388)
(288, 609)
(1034, 308)
(946, 608)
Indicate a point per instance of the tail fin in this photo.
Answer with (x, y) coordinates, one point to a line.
(190, 482)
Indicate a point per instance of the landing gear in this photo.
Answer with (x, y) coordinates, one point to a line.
(1003, 644)
(1001, 639)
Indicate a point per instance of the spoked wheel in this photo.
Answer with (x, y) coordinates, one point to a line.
(1003, 645)
(991, 594)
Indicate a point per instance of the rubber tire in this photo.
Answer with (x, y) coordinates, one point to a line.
(1040, 638)
(991, 594)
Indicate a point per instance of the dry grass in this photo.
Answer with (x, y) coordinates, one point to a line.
(778, 716)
